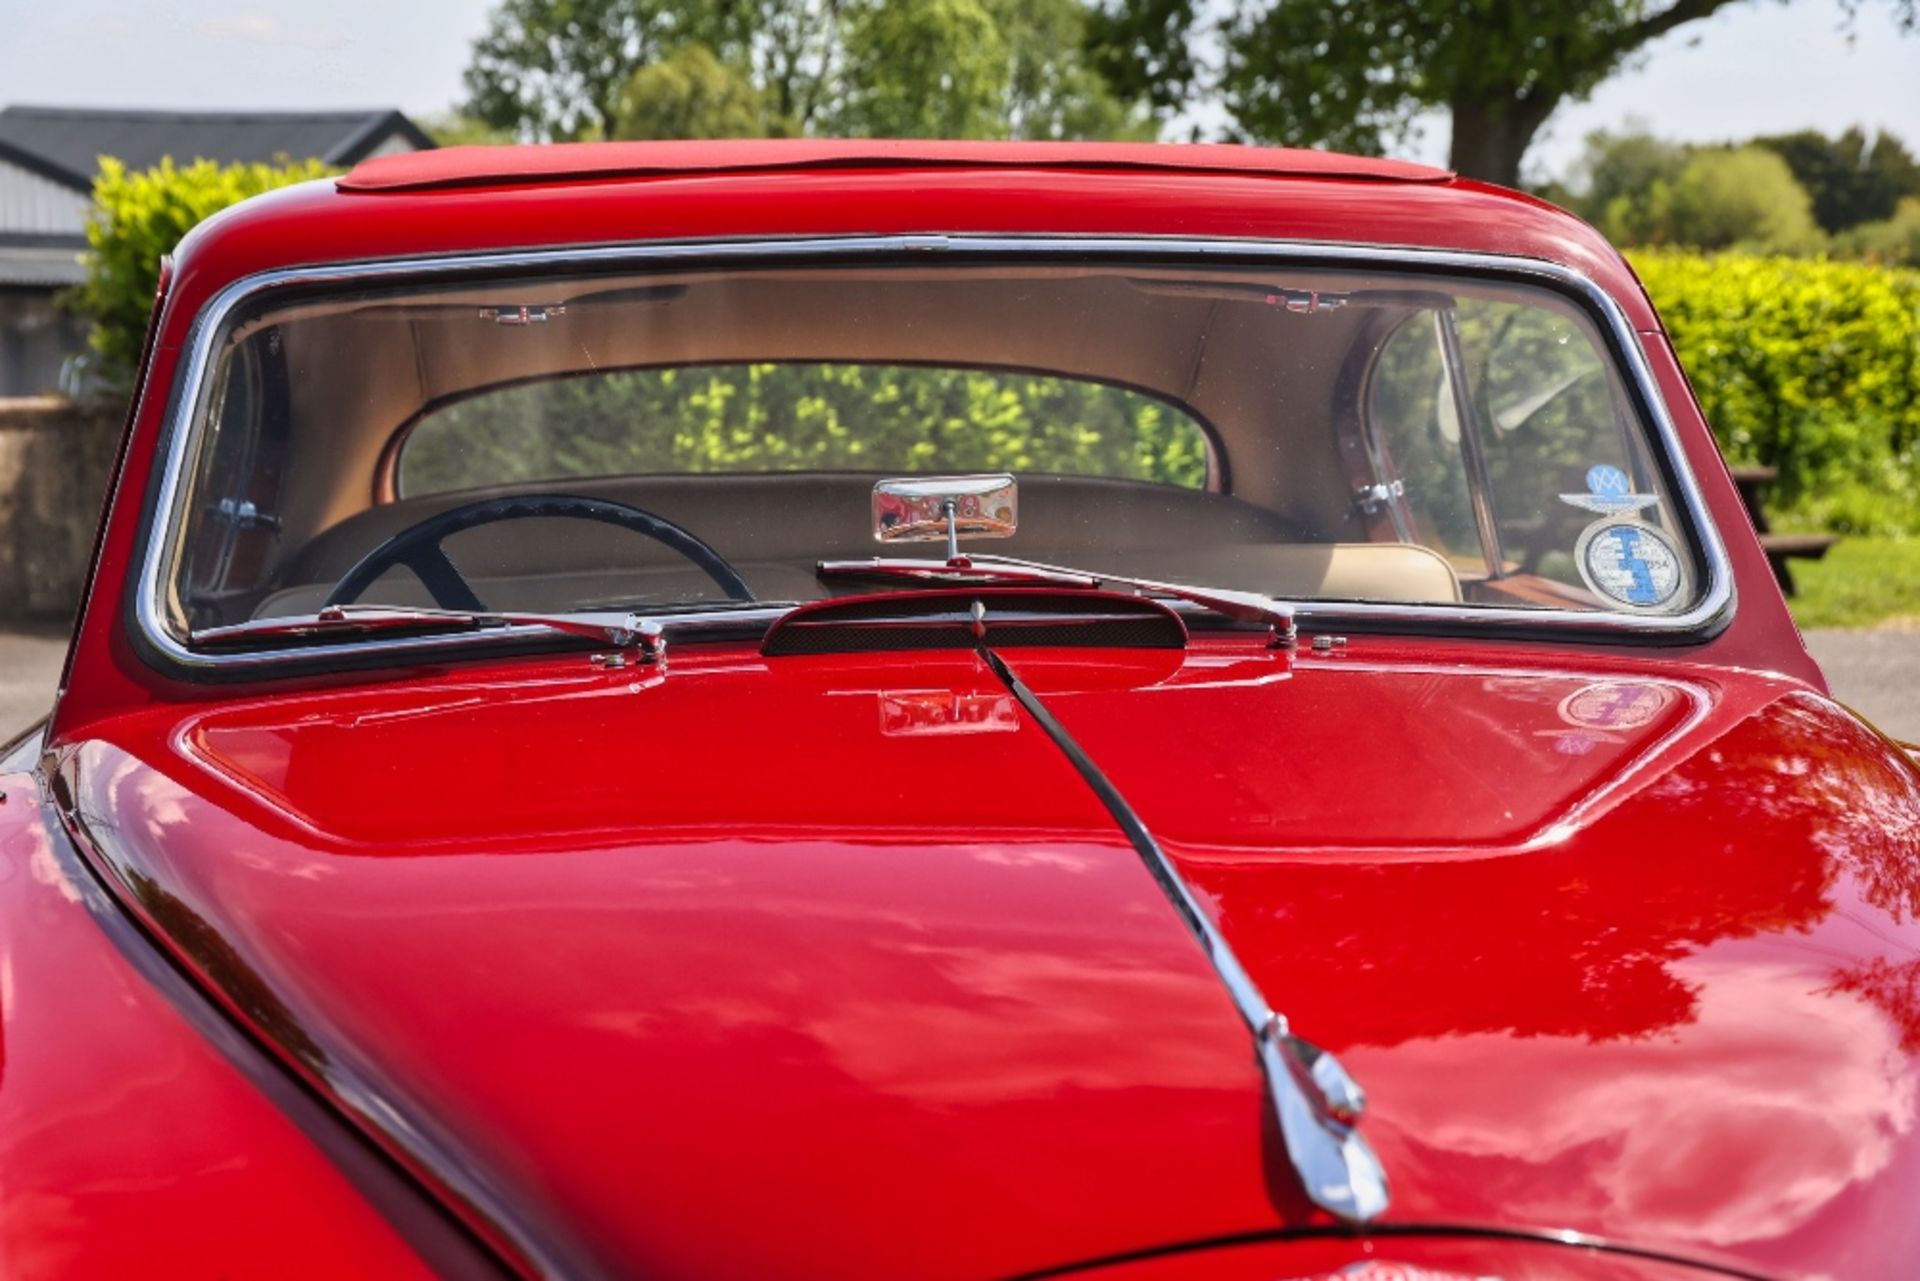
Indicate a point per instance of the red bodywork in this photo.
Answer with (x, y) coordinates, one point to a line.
(749, 967)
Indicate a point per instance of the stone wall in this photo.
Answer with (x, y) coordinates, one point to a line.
(56, 457)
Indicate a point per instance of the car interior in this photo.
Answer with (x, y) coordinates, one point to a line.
(321, 404)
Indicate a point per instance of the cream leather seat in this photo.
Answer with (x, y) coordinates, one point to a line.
(774, 527)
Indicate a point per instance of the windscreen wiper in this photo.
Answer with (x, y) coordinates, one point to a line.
(618, 629)
(1008, 571)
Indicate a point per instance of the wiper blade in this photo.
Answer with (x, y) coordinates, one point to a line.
(1009, 571)
(619, 629)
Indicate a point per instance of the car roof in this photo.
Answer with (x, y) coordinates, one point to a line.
(555, 197)
(500, 166)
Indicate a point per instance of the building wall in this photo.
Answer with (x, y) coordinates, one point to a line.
(38, 206)
(56, 457)
(36, 338)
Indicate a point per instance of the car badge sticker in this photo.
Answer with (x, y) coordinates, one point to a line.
(1629, 562)
(1609, 493)
(1615, 704)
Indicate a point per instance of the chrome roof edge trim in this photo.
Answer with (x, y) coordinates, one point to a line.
(191, 389)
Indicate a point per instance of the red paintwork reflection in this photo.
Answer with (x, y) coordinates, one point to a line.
(1686, 1020)
(714, 977)
(128, 1146)
(720, 979)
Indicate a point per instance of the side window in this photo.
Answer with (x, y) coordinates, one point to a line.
(1544, 417)
(1416, 443)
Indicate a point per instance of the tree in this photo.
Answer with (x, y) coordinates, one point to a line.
(925, 68)
(1354, 74)
(558, 69)
(1851, 180)
(1723, 197)
(553, 70)
(1626, 165)
(692, 94)
(1055, 85)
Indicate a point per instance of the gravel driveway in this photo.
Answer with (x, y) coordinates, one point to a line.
(1875, 673)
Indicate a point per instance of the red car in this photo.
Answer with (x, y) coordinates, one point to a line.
(899, 710)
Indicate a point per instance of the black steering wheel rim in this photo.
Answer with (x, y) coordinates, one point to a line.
(418, 546)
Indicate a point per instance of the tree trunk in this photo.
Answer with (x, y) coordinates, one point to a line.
(1491, 135)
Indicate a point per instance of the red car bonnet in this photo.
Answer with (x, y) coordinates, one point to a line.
(708, 970)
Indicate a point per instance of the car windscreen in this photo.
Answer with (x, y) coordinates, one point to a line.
(1386, 436)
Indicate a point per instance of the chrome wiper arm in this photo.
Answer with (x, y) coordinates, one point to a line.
(1010, 571)
(620, 630)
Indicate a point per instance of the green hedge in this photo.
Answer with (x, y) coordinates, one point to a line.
(1809, 366)
(138, 217)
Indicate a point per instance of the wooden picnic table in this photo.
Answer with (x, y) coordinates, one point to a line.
(1779, 547)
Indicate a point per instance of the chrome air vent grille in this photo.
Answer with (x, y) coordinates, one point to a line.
(1003, 619)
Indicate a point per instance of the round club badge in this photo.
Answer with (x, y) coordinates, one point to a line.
(1630, 562)
(1615, 704)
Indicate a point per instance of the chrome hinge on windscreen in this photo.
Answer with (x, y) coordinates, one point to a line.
(1307, 302)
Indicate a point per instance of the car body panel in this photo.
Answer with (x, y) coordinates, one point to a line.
(131, 1145)
(649, 938)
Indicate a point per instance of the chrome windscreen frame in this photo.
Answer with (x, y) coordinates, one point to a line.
(186, 420)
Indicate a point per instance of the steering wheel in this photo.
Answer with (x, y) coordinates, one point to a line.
(418, 546)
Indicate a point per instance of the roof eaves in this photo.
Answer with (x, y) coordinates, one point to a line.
(367, 135)
(35, 163)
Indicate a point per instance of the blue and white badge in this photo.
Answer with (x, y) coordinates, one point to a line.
(1631, 562)
(1609, 493)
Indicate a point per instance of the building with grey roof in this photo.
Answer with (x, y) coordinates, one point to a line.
(48, 157)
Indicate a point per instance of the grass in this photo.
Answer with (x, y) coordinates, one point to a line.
(1862, 582)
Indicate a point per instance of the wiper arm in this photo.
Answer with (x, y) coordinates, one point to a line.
(620, 630)
(1010, 571)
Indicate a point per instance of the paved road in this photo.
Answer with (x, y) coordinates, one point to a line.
(1875, 673)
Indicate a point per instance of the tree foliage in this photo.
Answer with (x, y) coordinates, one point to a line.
(554, 69)
(1721, 198)
(789, 417)
(1812, 367)
(925, 68)
(1355, 74)
(1851, 179)
(136, 220)
(692, 94)
(562, 69)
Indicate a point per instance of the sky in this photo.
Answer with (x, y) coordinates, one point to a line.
(1755, 68)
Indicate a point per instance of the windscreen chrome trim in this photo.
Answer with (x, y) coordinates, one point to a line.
(191, 388)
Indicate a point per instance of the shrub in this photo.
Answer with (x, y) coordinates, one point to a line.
(138, 218)
(1893, 241)
(1809, 366)
(1722, 198)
